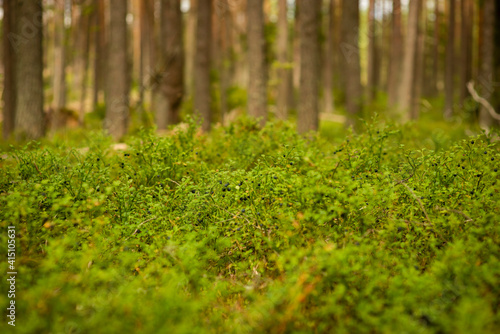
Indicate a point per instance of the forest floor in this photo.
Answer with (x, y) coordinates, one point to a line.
(247, 230)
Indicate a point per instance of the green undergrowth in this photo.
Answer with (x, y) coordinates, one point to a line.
(251, 230)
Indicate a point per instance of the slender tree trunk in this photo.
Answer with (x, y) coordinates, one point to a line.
(86, 20)
(310, 18)
(450, 63)
(225, 66)
(329, 58)
(419, 65)
(284, 73)
(9, 63)
(435, 59)
(487, 62)
(372, 53)
(351, 63)
(100, 46)
(172, 82)
(394, 78)
(257, 78)
(296, 51)
(29, 115)
(466, 47)
(202, 99)
(117, 79)
(409, 61)
(60, 58)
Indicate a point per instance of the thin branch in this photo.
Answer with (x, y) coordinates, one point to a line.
(418, 200)
(482, 101)
(469, 219)
(144, 222)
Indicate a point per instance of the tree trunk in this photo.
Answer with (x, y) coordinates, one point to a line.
(467, 13)
(202, 99)
(257, 91)
(117, 79)
(450, 60)
(100, 46)
(29, 115)
(284, 73)
(60, 58)
(394, 77)
(85, 29)
(226, 63)
(372, 53)
(310, 18)
(435, 58)
(172, 82)
(350, 49)
(419, 63)
(329, 58)
(9, 62)
(409, 62)
(486, 69)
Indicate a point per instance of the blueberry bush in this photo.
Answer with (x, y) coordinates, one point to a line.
(250, 230)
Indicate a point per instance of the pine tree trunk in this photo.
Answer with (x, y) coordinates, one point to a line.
(100, 50)
(284, 73)
(372, 53)
(351, 63)
(409, 61)
(329, 58)
(257, 79)
(117, 79)
(29, 115)
(202, 99)
(60, 58)
(450, 63)
(85, 28)
(394, 78)
(419, 63)
(310, 18)
(9, 63)
(172, 82)
(467, 13)
(435, 64)
(487, 64)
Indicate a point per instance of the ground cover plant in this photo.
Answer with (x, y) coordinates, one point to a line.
(250, 230)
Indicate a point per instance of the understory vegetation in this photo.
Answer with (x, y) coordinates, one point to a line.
(248, 230)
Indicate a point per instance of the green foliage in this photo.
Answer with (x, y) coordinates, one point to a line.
(252, 230)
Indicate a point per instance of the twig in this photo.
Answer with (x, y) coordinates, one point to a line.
(469, 219)
(177, 183)
(418, 200)
(483, 101)
(144, 222)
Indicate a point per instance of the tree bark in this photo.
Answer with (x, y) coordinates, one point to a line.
(202, 99)
(467, 13)
(450, 63)
(329, 58)
(9, 63)
(284, 73)
(310, 18)
(435, 63)
(487, 64)
(172, 76)
(372, 53)
(409, 62)
(394, 77)
(351, 63)
(29, 115)
(257, 79)
(117, 79)
(100, 52)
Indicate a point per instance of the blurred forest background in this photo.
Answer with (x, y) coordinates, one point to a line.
(132, 63)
